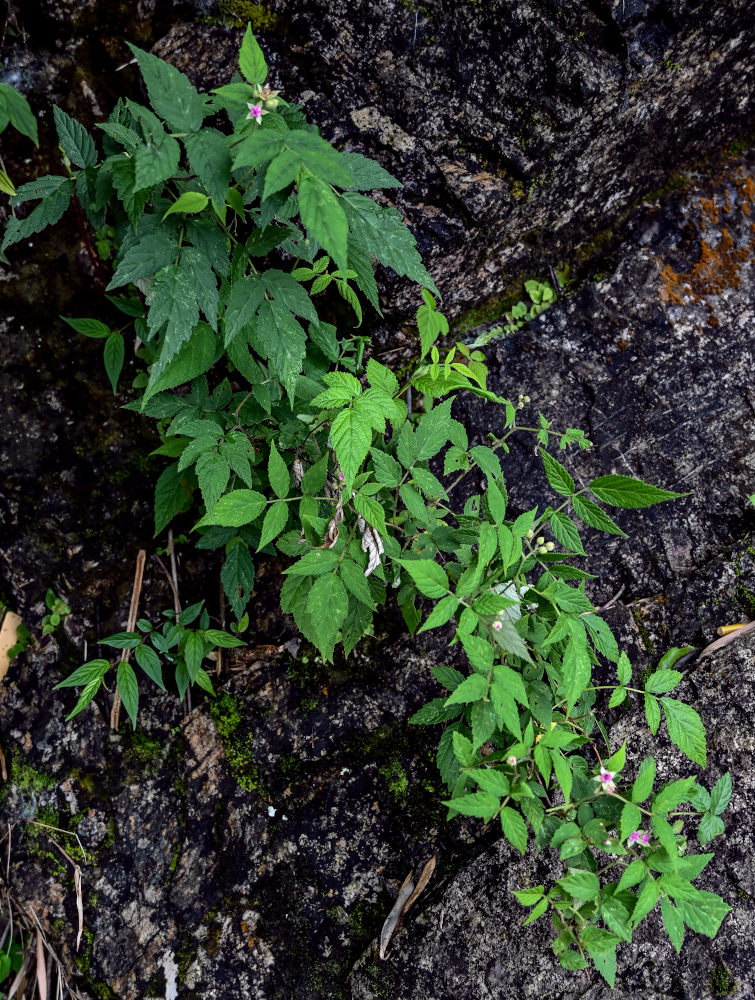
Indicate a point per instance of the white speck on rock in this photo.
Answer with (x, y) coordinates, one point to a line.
(171, 975)
(271, 810)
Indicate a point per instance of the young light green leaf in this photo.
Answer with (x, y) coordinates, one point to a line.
(643, 784)
(624, 491)
(720, 795)
(662, 680)
(188, 203)
(514, 828)
(351, 435)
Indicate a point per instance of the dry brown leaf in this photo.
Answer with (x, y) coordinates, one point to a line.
(424, 878)
(79, 903)
(41, 968)
(389, 927)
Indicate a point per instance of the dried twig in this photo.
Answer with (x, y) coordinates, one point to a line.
(115, 712)
(3, 767)
(726, 639)
(424, 878)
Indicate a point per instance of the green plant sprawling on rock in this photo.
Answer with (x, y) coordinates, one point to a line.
(226, 244)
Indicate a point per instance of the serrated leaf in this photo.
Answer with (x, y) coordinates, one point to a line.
(278, 474)
(710, 827)
(482, 805)
(74, 139)
(720, 794)
(577, 670)
(280, 339)
(328, 605)
(631, 819)
(213, 473)
(705, 913)
(673, 922)
(246, 296)
(172, 496)
(173, 311)
(471, 689)
(237, 575)
(514, 828)
(430, 578)
(274, 522)
(321, 212)
(115, 352)
(210, 159)
(652, 713)
(565, 533)
(155, 162)
(602, 637)
(145, 257)
(351, 434)
(624, 491)
(662, 681)
(188, 203)
(381, 232)
(558, 477)
(235, 509)
(355, 580)
(128, 688)
(367, 174)
(387, 469)
(591, 514)
(443, 611)
(643, 784)
(449, 677)
(433, 712)
(251, 59)
(49, 211)
(171, 93)
(17, 110)
(149, 661)
(194, 358)
(580, 884)
(685, 729)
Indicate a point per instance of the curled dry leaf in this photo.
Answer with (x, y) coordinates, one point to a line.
(424, 878)
(391, 922)
(79, 903)
(372, 544)
(41, 968)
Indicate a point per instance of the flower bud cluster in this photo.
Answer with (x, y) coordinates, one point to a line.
(265, 100)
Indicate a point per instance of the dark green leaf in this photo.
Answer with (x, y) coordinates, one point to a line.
(624, 491)
(128, 688)
(74, 139)
(171, 93)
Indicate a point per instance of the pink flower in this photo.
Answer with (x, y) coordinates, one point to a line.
(634, 837)
(645, 838)
(606, 780)
(511, 760)
(498, 626)
(255, 111)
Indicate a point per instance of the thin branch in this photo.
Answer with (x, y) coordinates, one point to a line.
(115, 712)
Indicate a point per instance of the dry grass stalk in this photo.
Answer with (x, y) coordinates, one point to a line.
(115, 712)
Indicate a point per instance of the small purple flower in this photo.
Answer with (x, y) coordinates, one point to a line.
(498, 626)
(634, 837)
(645, 838)
(255, 111)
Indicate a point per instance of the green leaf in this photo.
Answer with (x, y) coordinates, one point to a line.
(646, 901)
(245, 298)
(321, 212)
(631, 819)
(88, 327)
(472, 688)
(563, 773)
(673, 922)
(366, 174)
(251, 60)
(387, 469)
(557, 475)
(145, 257)
(633, 873)
(720, 795)
(210, 159)
(155, 162)
(115, 351)
(431, 325)
(624, 491)
(49, 211)
(351, 435)
(444, 610)
(483, 805)
(449, 677)
(281, 339)
(235, 509)
(616, 916)
(710, 826)
(173, 310)
(685, 729)
(430, 578)
(274, 522)
(591, 514)
(278, 474)
(355, 580)
(602, 637)
(193, 652)
(577, 671)
(213, 473)
(643, 784)
(342, 388)
(704, 913)
(433, 712)
(74, 139)
(189, 202)
(382, 233)
(514, 828)
(672, 794)
(128, 688)
(528, 897)
(149, 661)
(237, 575)
(565, 533)
(580, 884)
(662, 680)
(92, 670)
(194, 358)
(171, 93)
(328, 605)
(652, 713)
(172, 496)
(16, 108)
